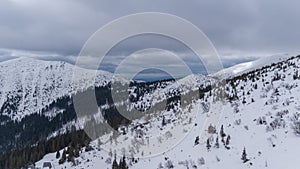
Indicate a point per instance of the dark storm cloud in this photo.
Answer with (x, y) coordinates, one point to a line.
(236, 27)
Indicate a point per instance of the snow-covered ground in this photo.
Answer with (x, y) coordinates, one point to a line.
(261, 120)
(249, 66)
(32, 84)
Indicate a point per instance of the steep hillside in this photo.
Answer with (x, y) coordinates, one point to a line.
(36, 98)
(29, 85)
(260, 128)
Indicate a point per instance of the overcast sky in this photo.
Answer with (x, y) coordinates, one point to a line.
(240, 29)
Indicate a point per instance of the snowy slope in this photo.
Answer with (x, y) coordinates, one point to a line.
(28, 85)
(31, 84)
(261, 114)
(171, 88)
(250, 66)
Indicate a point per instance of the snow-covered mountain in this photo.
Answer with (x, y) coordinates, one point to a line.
(36, 98)
(260, 114)
(28, 85)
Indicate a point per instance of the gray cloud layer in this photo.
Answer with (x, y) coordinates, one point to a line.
(234, 25)
(240, 30)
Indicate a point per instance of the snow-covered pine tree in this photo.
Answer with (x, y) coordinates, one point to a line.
(217, 145)
(228, 140)
(115, 164)
(222, 133)
(208, 146)
(197, 140)
(123, 165)
(163, 121)
(244, 156)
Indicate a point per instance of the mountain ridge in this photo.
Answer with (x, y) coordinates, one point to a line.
(260, 114)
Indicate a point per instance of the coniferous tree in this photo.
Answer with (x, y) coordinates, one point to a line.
(120, 163)
(163, 121)
(244, 100)
(228, 140)
(208, 146)
(222, 133)
(197, 140)
(115, 164)
(63, 157)
(71, 154)
(123, 165)
(255, 86)
(76, 151)
(217, 142)
(296, 75)
(244, 156)
(57, 154)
